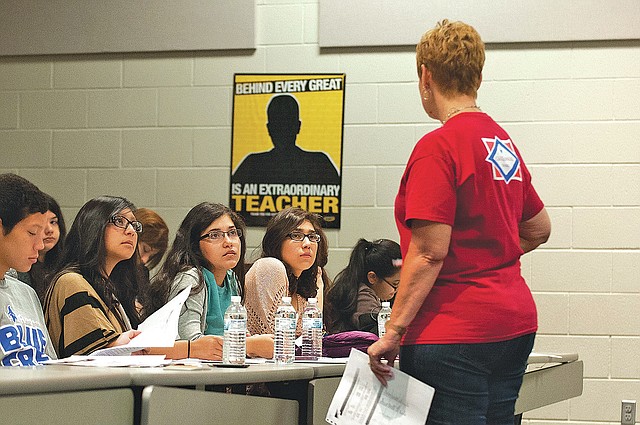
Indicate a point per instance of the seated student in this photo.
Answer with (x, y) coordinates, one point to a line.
(207, 253)
(372, 275)
(152, 244)
(54, 234)
(24, 340)
(288, 267)
(89, 304)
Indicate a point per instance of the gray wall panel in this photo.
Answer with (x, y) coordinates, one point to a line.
(402, 22)
(35, 27)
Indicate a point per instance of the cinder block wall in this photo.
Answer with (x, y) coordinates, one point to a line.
(156, 128)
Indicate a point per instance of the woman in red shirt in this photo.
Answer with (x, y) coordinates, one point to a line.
(466, 211)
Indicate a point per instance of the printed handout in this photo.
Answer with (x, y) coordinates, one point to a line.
(158, 330)
(362, 399)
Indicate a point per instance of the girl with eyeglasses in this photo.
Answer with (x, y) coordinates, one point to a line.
(372, 276)
(292, 247)
(90, 303)
(207, 253)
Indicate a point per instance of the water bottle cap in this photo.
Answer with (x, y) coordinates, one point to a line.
(286, 299)
(386, 304)
(235, 298)
(312, 300)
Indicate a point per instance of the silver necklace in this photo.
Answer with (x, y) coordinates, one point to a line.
(453, 111)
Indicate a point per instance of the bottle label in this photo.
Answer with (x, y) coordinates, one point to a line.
(235, 325)
(285, 325)
(312, 323)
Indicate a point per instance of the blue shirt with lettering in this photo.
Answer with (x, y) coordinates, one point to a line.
(24, 340)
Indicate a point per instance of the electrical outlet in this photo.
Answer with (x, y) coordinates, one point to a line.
(628, 414)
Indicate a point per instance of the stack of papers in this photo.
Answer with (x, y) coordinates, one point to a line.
(113, 361)
(362, 399)
(552, 358)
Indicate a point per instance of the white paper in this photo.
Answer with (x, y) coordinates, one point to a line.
(325, 360)
(113, 361)
(552, 358)
(159, 330)
(362, 399)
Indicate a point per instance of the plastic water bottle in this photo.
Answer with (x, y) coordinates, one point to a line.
(284, 350)
(312, 329)
(383, 315)
(234, 348)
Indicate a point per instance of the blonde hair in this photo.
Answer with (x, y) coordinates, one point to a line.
(454, 54)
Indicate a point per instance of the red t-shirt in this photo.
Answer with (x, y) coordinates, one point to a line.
(469, 175)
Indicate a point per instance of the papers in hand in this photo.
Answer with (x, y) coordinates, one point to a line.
(362, 399)
(159, 330)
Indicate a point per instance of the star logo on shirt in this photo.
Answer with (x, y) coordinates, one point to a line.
(502, 156)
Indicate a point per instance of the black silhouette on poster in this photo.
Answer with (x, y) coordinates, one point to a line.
(266, 182)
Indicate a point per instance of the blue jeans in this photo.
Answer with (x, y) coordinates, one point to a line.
(476, 384)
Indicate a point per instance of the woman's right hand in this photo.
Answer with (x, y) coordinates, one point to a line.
(260, 346)
(124, 338)
(386, 347)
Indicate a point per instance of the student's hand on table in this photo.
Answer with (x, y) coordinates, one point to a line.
(208, 347)
(260, 346)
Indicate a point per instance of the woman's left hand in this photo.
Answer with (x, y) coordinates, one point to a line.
(208, 347)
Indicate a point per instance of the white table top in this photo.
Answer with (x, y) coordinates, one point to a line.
(58, 377)
(55, 378)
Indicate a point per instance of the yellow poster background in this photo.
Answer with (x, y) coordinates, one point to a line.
(321, 116)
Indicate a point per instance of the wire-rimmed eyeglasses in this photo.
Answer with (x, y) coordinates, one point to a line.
(393, 284)
(218, 235)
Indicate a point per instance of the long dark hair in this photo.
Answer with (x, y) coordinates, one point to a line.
(51, 257)
(342, 297)
(185, 254)
(85, 253)
(278, 229)
(40, 273)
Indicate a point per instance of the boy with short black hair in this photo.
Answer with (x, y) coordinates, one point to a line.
(24, 340)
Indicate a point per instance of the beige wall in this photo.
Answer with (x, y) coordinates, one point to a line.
(156, 129)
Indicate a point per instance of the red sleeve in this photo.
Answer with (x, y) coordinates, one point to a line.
(431, 190)
(531, 202)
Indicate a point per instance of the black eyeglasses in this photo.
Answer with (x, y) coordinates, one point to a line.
(218, 235)
(123, 222)
(393, 284)
(299, 236)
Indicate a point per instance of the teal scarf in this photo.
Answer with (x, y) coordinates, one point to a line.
(219, 298)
